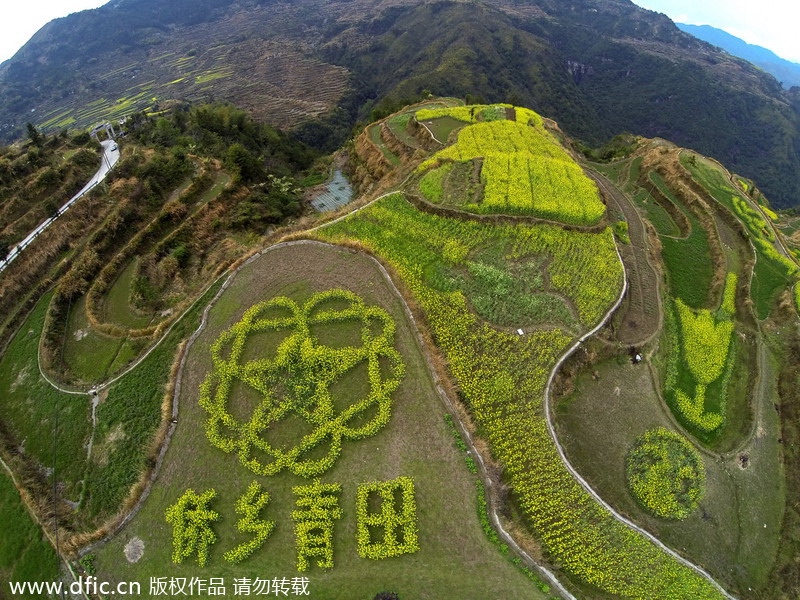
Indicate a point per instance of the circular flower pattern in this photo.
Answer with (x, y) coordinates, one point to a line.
(296, 381)
(665, 474)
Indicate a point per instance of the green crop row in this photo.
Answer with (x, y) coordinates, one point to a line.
(398, 524)
(307, 370)
(314, 523)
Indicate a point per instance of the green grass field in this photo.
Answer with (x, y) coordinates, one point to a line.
(25, 555)
(91, 356)
(128, 417)
(455, 559)
(30, 406)
(117, 304)
(656, 214)
(687, 261)
(612, 171)
(769, 280)
(398, 126)
(442, 127)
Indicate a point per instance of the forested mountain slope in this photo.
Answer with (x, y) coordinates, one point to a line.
(600, 68)
(785, 71)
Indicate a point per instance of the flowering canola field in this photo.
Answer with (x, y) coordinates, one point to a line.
(702, 345)
(525, 172)
(502, 378)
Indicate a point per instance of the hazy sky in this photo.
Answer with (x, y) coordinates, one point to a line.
(20, 19)
(769, 23)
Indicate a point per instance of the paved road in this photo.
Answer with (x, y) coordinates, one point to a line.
(109, 159)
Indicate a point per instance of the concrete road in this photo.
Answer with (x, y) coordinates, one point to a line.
(109, 159)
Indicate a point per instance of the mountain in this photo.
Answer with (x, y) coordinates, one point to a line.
(785, 71)
(599, 67)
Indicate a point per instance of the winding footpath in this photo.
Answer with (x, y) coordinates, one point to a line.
(110, 157)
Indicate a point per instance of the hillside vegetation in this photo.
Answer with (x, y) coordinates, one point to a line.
(37, 177)
(430, 393)
(122, 270)
(599, 68)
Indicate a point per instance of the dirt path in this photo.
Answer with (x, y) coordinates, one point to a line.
(643, 316)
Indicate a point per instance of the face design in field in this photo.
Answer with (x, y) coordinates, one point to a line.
(310, 395)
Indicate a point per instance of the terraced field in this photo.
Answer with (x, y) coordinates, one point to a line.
(318, 372)
(283, 86)
(415, 443)
(109, 327)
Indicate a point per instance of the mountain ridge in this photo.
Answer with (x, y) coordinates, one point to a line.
(599, 68)
(785, 71)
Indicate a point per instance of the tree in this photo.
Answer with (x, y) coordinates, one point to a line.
(242, 160)
(34, 136)
(4, 249)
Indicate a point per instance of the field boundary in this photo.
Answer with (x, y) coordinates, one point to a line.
(551, 428)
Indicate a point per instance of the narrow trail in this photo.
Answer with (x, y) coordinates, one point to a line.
(646, 288)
